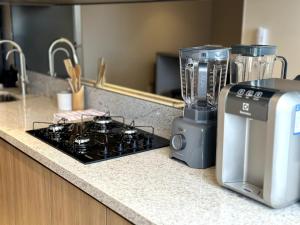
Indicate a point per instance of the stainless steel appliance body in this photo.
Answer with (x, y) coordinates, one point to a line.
(258, 145)
(203, 74)
(255, 62)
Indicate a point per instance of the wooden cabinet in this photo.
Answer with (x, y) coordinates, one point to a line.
(7, 198)
(31, 191)
(114, 219)
(72, 206)
(31, 194)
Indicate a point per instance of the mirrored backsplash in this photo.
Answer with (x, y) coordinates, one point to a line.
(34, 28)
(139, 41)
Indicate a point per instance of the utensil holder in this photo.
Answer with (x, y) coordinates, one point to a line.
(78, 99)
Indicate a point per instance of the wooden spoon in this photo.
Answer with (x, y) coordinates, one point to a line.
(78, 75)
(71, 85)
(101, 72)
(71, 72)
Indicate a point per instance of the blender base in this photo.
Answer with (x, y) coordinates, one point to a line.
(194, 142)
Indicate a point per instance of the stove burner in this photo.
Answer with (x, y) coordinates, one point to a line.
(102, 119)
(81, 140)
(81, 144)
(100, 128)
(55, 132)
(56, 127)
(129, 130)
(104, 124)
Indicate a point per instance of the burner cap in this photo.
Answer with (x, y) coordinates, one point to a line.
(81, 140)
(102, 119)
(129, 130)
(56, 127)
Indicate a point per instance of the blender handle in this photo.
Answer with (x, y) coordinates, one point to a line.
(283, 66)
(202, 81)
(189, 80)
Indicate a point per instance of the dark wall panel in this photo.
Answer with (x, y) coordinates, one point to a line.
(35, 27)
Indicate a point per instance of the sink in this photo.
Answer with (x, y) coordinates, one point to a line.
(6, 97)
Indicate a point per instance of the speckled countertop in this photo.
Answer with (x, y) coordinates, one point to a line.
(146, 188)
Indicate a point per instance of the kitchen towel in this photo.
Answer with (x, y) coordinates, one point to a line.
(76, 115)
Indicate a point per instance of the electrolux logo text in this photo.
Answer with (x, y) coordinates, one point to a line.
(245, 109)
(246, 106)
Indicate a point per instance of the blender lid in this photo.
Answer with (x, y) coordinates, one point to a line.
(253, 50)
(206, 51)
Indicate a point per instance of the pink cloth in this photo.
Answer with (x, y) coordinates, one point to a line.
(77, 115)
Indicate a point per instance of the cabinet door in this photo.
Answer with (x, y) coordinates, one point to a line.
(31, 194)
(71, 206)
(114, 219)
(6, 184)
(31, 191)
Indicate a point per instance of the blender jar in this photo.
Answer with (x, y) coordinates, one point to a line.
(254, 62)
(203, 72)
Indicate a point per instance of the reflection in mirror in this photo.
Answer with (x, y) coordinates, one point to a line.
(132, 37)
(139, 41)
(36, 27)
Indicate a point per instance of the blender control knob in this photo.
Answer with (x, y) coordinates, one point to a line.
(178, 142)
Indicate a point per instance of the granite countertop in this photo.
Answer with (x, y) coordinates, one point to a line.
(146, 188)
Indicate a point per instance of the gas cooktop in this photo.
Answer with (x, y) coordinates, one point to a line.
(99, 139)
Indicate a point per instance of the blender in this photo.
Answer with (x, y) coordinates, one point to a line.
(254, 62)
(203, 72)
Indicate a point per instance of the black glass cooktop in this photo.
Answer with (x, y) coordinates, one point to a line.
(99, 140)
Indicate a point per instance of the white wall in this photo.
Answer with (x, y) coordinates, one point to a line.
(282, 19)
(130, 35)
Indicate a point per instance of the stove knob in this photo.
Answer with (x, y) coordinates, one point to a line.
(178, 142)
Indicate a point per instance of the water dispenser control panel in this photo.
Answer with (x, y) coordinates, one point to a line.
(249, 101)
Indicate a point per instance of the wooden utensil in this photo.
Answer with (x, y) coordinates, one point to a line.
(78, 75)
(72, 74)
(101, 72)
(69, 67)
(71, 85)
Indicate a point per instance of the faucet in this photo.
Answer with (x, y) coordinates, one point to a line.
(51, 59)
(23, 75)
(51, 53)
